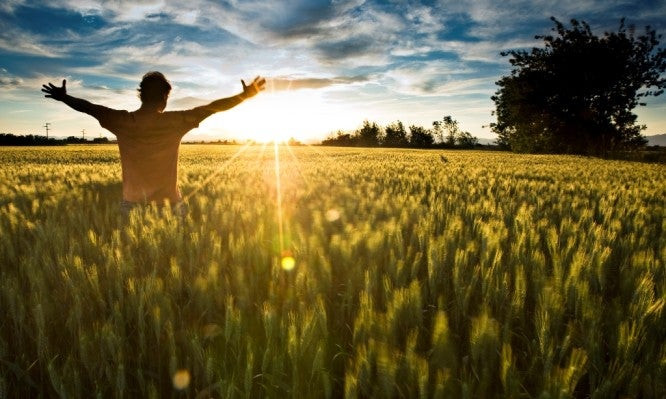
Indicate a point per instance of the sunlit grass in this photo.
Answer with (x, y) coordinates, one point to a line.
(322, 272)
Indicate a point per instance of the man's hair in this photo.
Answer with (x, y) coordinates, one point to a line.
(154, 87)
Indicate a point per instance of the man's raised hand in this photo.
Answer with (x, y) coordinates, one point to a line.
(253, 88)
(56, 93)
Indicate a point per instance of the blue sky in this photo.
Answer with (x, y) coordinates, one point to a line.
(331, 64)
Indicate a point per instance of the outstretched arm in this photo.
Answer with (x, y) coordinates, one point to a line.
(224, 104)
(81, 105)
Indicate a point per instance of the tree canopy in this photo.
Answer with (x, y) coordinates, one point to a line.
(577, 93)
(395, 135)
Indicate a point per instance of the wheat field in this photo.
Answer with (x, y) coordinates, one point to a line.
(312, 272)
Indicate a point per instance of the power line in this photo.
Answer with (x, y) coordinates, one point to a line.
(47, 129)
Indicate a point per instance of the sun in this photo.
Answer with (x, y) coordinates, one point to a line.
(285, 114)
(280, 115)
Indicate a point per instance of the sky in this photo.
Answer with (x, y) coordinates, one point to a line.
(329, 64)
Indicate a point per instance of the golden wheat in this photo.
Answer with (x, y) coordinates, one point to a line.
(383, 273)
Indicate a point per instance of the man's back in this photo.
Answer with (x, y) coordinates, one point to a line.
(148, 144)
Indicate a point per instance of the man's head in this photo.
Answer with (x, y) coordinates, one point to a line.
(154, 90)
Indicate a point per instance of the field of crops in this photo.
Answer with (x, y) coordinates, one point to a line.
(334, 272)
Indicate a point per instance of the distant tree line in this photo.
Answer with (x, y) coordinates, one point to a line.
(443, 134)
(81, 140)
(30, 139)
(216, 142)
(7, 139)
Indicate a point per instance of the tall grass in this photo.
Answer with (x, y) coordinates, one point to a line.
(491, 275)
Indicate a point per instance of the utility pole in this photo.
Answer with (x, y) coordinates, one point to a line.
(83, 134)
(47, 129)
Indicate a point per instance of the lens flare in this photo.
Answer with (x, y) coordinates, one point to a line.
(181, 379)
(332, 215)
(288, 263)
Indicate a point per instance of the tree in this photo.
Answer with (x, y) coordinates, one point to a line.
(369, 134)
(450, 126)
(75, 140)
(447, 130)
(420, 137)
(340, 139)
(466, 140)
(450, 135)
(438, 132)
(576, 94)
(395, 135)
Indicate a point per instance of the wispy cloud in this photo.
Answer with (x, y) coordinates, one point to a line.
(287, 83)
(8, 81)
(14, 41)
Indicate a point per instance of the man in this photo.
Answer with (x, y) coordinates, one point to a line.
(149, 138)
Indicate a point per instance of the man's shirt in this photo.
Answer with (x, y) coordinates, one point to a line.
(149, 146)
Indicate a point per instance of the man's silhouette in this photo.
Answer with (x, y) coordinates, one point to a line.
(148, 138)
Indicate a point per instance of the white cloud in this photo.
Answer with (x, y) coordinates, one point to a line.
(15, 41)
(435, 78)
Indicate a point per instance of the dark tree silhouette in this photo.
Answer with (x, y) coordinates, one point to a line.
(9, 139)
(466, 140)
(369, 134)
(420, 137)
(450, 126)
(76, 140)
(395, 135)
(576, 94)
(341, 139)
(449, 135)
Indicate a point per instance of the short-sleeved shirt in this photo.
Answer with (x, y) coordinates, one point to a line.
(148, 145)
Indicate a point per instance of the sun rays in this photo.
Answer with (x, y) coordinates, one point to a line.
(277, 116)
(278, 199)
(276, 170)
(217, 171)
